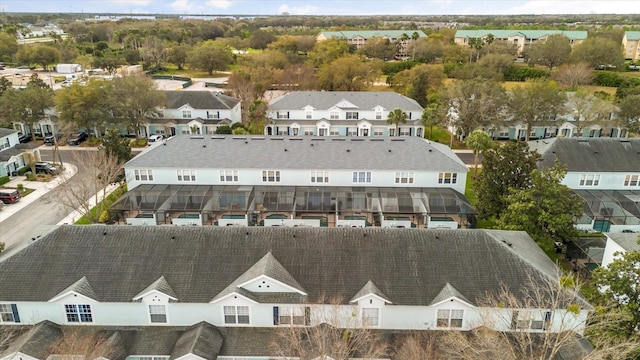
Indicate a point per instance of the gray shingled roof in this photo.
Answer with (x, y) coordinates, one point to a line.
(202, 339)
(4, 131)
(274, 152)
(628, 242)
(590, 154)
(160, 285)
(409, 266)
(36, 341)
(324, 100)
(206, 100)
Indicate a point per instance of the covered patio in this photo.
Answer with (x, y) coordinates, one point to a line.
(295, 206)
(610, 210)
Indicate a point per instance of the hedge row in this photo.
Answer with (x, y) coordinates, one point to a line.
(4, 180)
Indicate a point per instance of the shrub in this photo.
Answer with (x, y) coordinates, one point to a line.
(520, 73)
(20, 187)
(394, 67)
(23, 170)
(31, 176)
(607, 78)
(93, 141)
(139, 143)
(4, 180)
(451, 68)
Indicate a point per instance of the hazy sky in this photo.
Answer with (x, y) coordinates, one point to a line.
(327, 7)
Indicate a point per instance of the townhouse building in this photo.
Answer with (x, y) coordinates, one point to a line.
(520, 39)
(342, 113)
(296, 181)
(13, 154)
(223, 293)
(631, 45)
(358, 38)
(605, 172)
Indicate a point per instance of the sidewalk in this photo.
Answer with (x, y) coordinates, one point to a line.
(40, 188)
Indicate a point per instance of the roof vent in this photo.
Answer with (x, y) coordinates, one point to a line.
(197, 137)
(389, 150)
(239, 138)
(348, 150)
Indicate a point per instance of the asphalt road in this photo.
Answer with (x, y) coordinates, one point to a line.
(37, 218)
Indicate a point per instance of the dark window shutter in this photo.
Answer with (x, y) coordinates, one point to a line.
(547, 320)
(307, 315)
(14, 310)
(287, 114)
(514, 320)
(276, 317)
(218, 114)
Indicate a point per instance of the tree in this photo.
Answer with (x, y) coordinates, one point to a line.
(110, 62)
(327, 51)
(98, 171)
(536, 103)
(550, 53)
(478, 141)
(505, 167)
(85, 107)
(427, 49)
(573, 75)
(618, 294)
(135, 99)
(177, 55)
(418, 82)
(546, 209)
(81, 342)
(474, 104)
(8, 46)
(395, 118)
(431, 117)
(629, 112)
(210, 56)
(117, 146)
(598, 52)
(588, 110)
(155, 52)
(224, 129)
(378, 48)
(27, 106)
(260, 39)
(41, 54)
(349, 73)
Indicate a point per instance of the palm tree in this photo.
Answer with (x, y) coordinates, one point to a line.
(430, 118)
(415, 36)
(397, 117)
(478, 141)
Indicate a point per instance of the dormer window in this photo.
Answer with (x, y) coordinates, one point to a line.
(158, 313)
(450, 318)
(370, 316)
(186, 114)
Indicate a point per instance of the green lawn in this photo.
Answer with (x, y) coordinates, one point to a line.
(111, 198)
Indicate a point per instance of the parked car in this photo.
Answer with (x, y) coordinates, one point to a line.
(66, 83)
(46, 168)
(9, 196)
(154, 138)
(78, 138)
(24, 138)
(51, 140)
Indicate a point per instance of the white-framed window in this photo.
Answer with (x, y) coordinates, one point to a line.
(78, 313)
(632, 180)
(447, 178)
(270, 175)
(320, 177)
(186, 175)
(309, 131)
(228, 175)
(449, 318)
(308, 114)
(404, 178)
(589, 179)
(392, 132)
(213, 115)
(186, 114)
(9, 313)
(531, 320)
(370, 316)
(236, 314)
(4, 144)
(334, 115)
(291, 315)
(404, 131)
(143, 174)
(158, 313)
(352, 115)
(334, 131)
(378, 115)
(377, 131)
(282, 115)
(352, 131)
(362, 177)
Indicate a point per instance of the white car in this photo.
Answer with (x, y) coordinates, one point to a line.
(154, 138)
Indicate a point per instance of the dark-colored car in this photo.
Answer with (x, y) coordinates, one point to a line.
(22, 138)
(9, 196)
(50, 140)
(78, 138)
(46, 168)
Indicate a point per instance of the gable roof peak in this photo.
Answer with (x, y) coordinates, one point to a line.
(448, 291)
(369, 289)
(81, 287)
(160, 285)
